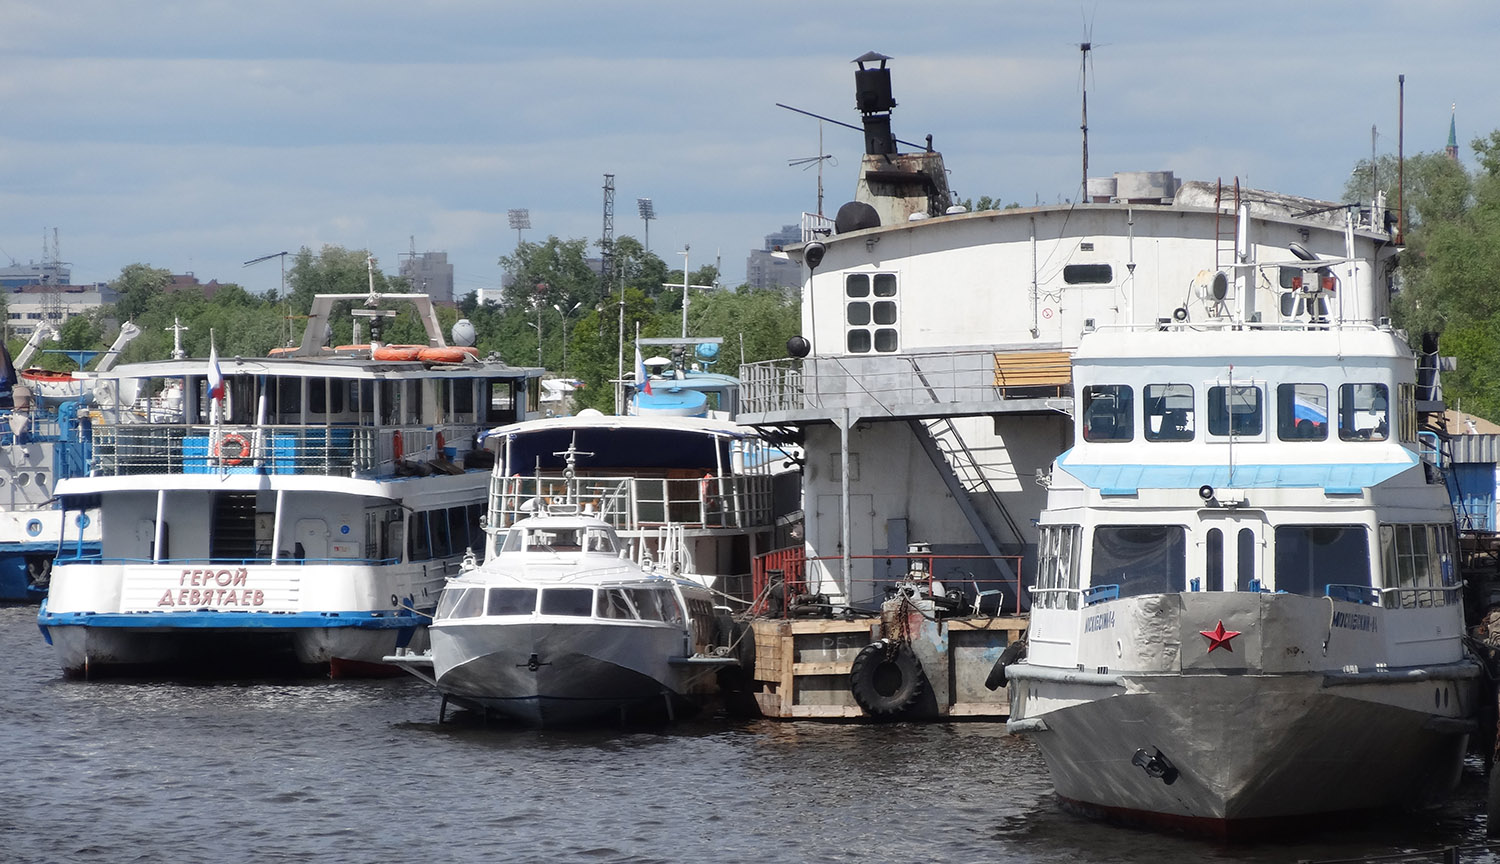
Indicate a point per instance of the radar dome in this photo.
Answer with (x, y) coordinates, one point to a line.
(463, 333)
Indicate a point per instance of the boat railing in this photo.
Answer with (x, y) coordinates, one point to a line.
(730, 501)
(231, 562)
(900, 383)
(335, 451)
(1390, 598)
(781, 586)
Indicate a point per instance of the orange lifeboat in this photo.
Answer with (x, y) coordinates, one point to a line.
(397, 352)
(450, 354)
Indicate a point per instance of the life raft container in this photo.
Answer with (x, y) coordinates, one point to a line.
(886, 679)
(448, 354)
(397, 352)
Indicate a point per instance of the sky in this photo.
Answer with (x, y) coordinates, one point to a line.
(196, 136)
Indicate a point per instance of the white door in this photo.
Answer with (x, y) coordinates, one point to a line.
(312, 539)
(829, 545)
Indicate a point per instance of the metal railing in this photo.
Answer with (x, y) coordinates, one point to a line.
(335, 451)
(779, 577)
(740, 502)
(893, 383)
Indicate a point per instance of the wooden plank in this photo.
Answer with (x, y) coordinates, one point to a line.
(1053, 369)
(835, 668)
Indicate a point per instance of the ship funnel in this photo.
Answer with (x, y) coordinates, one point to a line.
(872, 96)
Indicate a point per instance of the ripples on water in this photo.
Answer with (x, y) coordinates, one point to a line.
(336, 771)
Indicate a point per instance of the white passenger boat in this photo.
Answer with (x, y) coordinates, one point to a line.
(309, 516)
(557, 627)
(1247, 609)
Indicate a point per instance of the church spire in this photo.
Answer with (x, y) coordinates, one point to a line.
(1453, 134)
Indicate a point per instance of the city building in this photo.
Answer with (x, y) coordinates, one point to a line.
(765, 269)
(429, 273)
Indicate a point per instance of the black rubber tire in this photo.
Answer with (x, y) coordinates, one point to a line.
(743, 642)
(886, 680)
(1013, 652)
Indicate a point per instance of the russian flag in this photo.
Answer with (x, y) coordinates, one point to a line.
(215, 377)
(642, 378)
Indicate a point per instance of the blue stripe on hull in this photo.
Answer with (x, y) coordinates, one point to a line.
(231, 620)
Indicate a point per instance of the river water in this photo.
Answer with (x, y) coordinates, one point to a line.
(358, 771)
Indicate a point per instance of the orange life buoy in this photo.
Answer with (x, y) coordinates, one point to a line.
(450, 354)
(440, 443)
(397, 352)
(237, 442)
(396, 445)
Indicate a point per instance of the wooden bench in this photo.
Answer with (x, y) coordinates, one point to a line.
(1046, 370)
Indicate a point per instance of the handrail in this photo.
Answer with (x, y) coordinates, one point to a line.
(791, 575)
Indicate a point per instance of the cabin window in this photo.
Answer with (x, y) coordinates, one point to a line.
(463, 398)
(511, 601)
(1235, 410)
(1057, 568)
(575, 602)
(1245, 580)
(459, 538)
(871, 313)
(1302, 412)
(419, 540)
(1140, 559)
(1169, 412)
(647, 603)
(390, 403)
(1108, 412)
(1319, 560)
(288, 399)
(613, 604)
(447, 601)
(502, 399)
(600, 541)
(1364, 412)
(1417, 559)
(1213, 571)
(1088, 274)
(512, 541)
(469, 605)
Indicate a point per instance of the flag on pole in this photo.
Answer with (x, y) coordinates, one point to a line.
(215, 377)
(642, 377)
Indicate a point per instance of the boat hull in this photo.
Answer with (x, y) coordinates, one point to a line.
(543, 673)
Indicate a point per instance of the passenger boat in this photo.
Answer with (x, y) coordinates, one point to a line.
(305, 518)
(557, 626)
(42, 442)
(1247, 609)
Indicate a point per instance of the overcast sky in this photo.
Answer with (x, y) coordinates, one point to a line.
(194, 136)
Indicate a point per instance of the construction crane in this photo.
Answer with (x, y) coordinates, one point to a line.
(284, 300)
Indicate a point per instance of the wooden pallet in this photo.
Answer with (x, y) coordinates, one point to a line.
(1047, 370)
(802, 665)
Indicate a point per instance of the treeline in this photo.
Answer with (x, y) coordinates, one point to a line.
(554, 303)
(1448, 278)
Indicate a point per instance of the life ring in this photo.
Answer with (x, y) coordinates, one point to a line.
(1013, 652)
(397, 352)
(396, 449)
(450, 354)
(886, 679)
(240, 445)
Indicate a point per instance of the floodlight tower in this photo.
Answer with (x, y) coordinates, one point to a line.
(520, 220)
(648, 212)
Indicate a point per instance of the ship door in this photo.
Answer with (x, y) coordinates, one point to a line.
(312, 540)
(1232, 555)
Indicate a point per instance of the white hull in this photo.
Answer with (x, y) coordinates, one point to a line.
(103, 617)
(548, 673)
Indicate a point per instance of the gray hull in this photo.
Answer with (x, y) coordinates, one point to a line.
(1248, 750)
(543, 673)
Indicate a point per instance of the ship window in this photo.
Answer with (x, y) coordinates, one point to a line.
(471, 605)
(511, 601)
(1417, 559)
(446, 601)
(1169, 412)
(1057, 574)
(512, 541)
(647, 603)
(1213, 550)
(574, 602)
(612, 604)
(1245, 579)
(1108, 412)
(1234, 410)
(600, 541)
(1364, 412)
(871, 325)
(1302, 412)
(1311, 559)
(1088, 274)
(671, 611)
(419, 542)
(1140, 559)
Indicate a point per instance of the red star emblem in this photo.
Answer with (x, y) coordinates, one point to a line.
(1219, 638)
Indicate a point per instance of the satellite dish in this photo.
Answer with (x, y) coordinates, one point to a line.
(463, 333)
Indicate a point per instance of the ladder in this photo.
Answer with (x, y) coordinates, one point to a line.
(1226, 230)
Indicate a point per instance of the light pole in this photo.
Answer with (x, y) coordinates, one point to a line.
(648, 212)
(685, 248)
(565, 331)
(519, 220)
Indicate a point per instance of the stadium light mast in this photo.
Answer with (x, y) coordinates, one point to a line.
(648, 212)
(520, 220)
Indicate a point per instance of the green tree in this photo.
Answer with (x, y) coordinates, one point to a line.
(138, 285)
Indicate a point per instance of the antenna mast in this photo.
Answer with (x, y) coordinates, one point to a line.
(1085, 48)
(607, 241)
